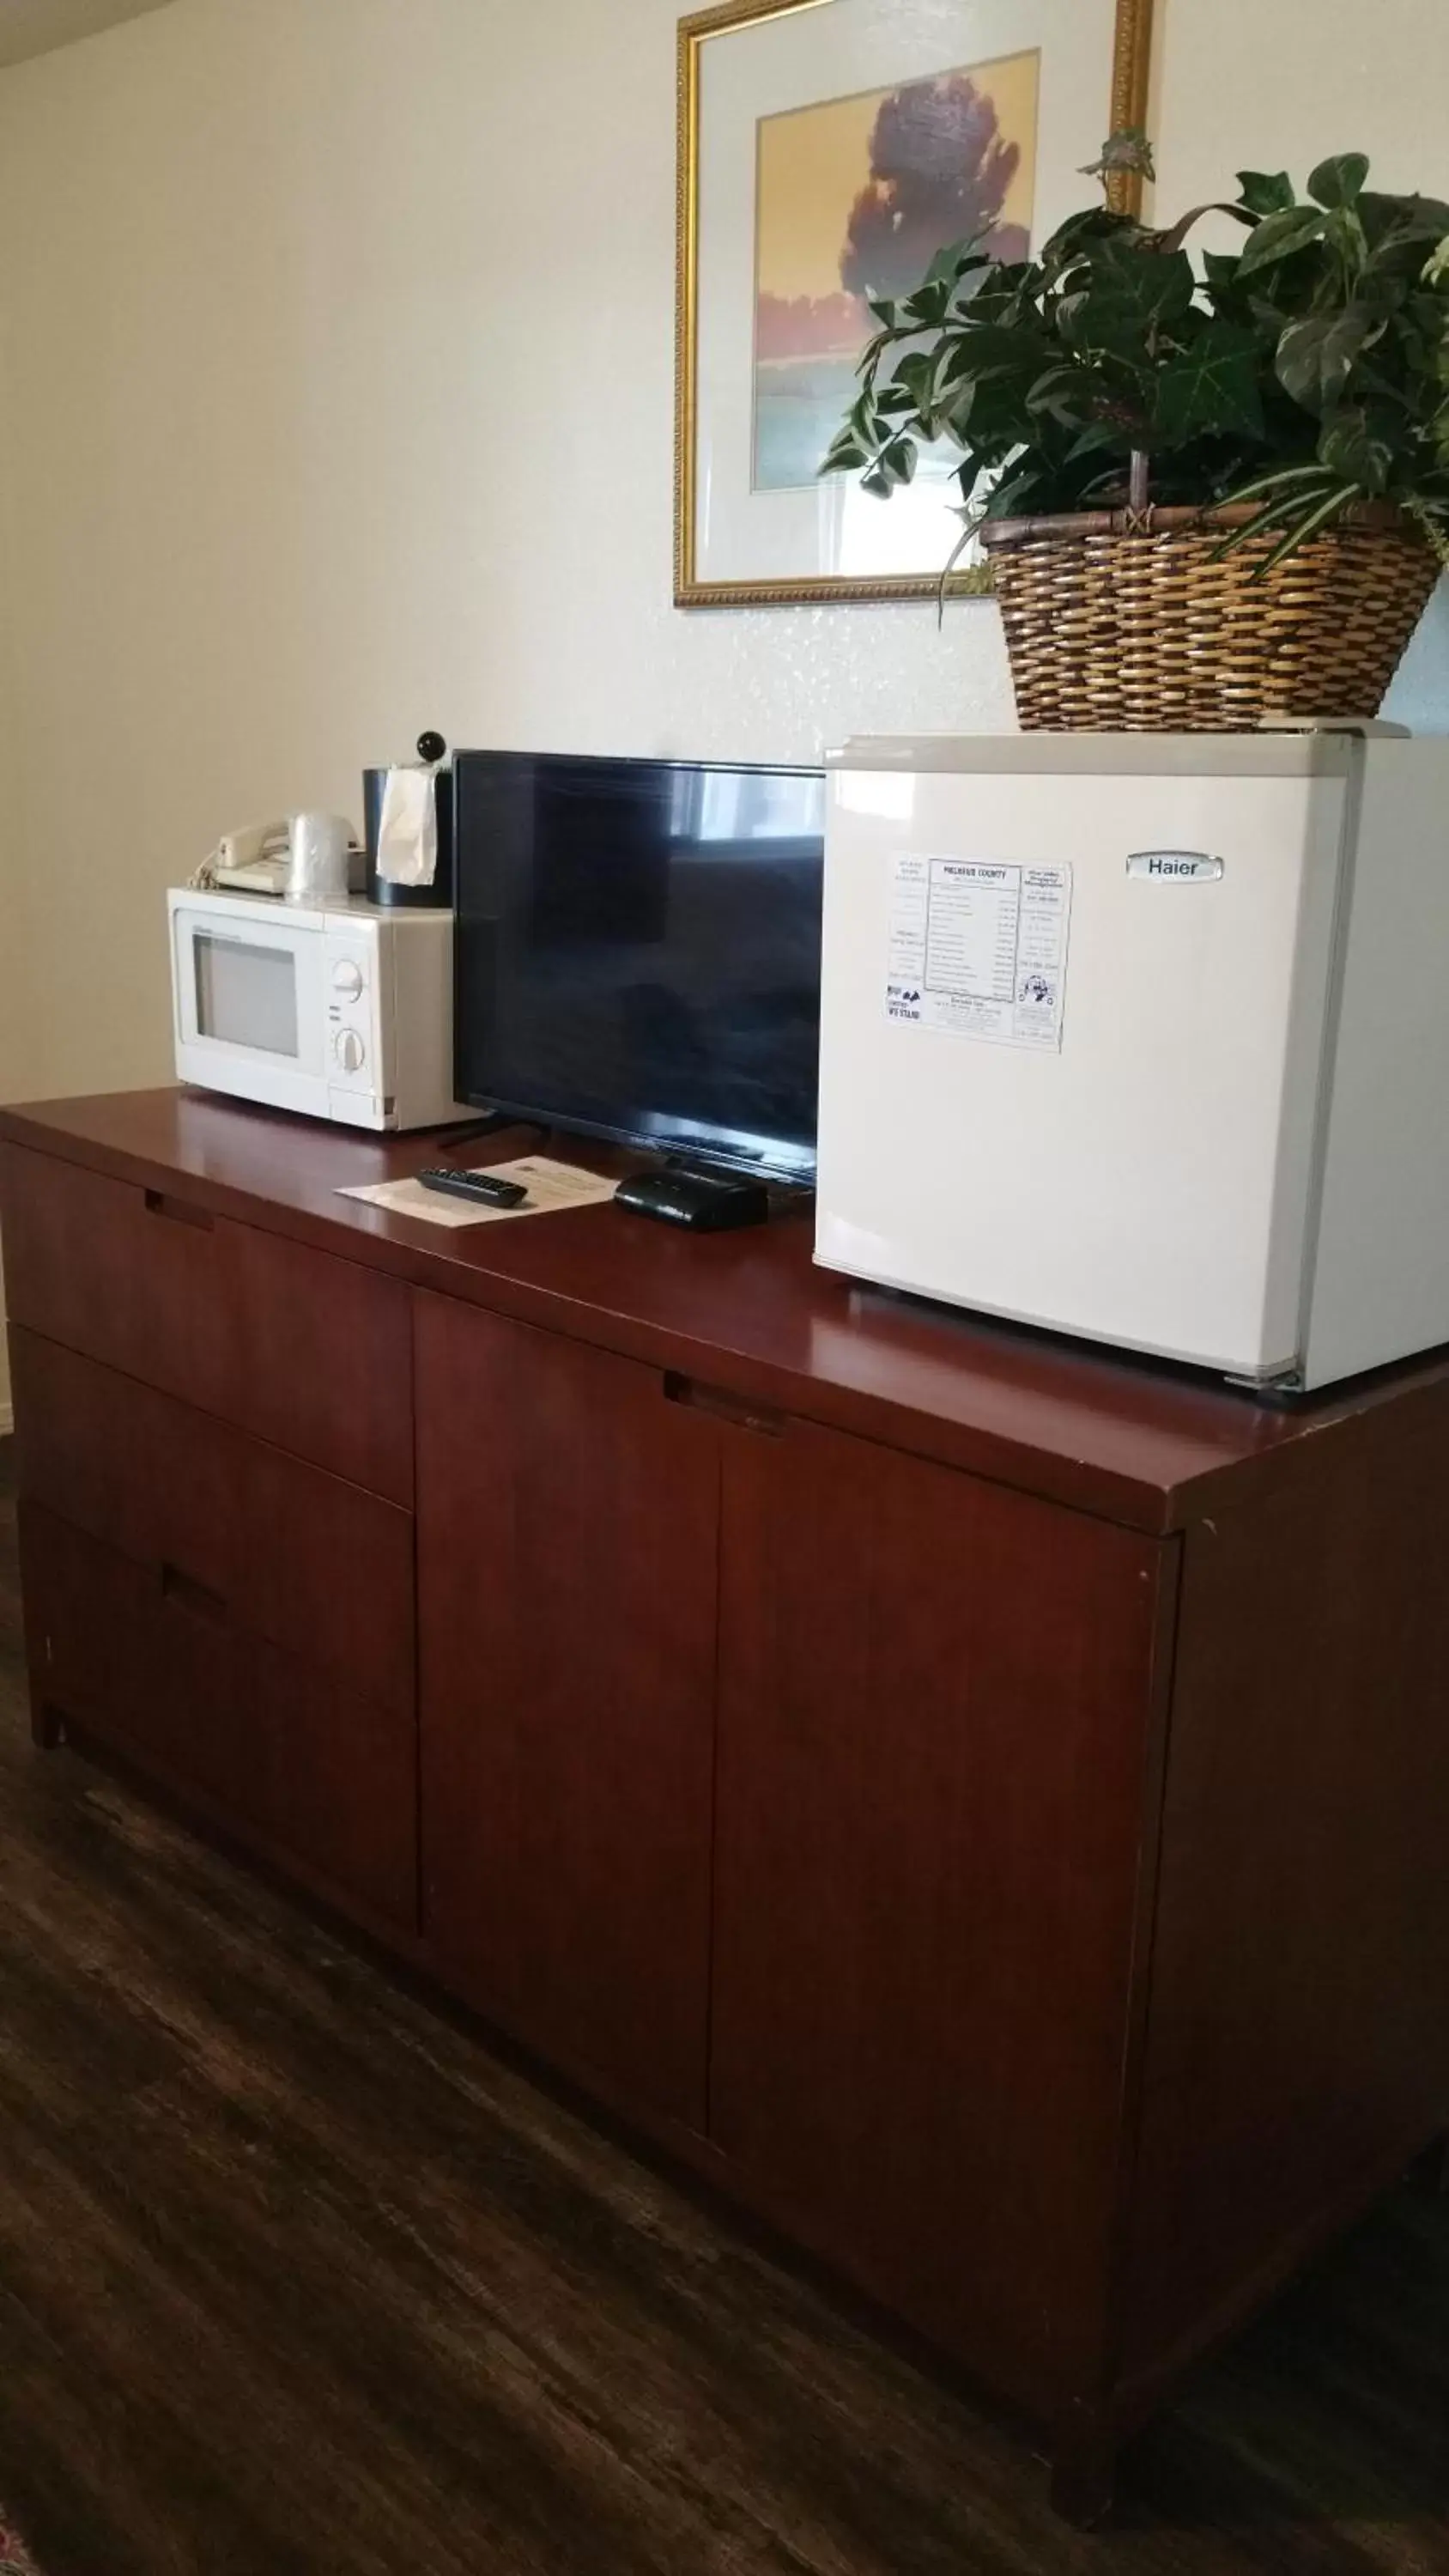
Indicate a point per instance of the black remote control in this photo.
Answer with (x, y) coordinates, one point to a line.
(489, 1190)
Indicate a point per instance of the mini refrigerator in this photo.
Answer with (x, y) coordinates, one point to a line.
(1146, 1038)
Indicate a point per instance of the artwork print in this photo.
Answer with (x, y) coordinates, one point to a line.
(854, 197)
(828, 151)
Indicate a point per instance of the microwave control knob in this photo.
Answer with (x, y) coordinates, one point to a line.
(347, 979)
(349, 1050)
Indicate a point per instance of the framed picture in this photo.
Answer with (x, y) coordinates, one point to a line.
(827, 147)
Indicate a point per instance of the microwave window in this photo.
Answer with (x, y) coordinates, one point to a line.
(246, 996)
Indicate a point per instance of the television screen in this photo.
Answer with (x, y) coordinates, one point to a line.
(638, 951)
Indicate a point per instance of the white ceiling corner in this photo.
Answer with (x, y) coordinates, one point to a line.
(37, 26)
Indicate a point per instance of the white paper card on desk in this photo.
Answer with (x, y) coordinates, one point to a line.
(551, 1187)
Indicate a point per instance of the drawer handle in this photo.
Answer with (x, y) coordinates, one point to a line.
(723, 1407)
(179, 1211)
(188, 1594)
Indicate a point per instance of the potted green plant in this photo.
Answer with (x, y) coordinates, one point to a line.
(1207, 493)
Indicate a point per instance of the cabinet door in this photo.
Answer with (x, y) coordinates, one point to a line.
(567, 1544)
(934, 1832)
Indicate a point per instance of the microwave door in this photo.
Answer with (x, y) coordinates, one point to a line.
(251, 992)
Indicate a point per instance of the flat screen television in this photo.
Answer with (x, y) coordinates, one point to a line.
(638, 951)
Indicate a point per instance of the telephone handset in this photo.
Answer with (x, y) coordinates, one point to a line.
(259, 859)
(252, 861)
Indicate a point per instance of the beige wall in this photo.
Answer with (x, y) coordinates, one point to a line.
(338, 351)
(30, 27)
(12, 1049)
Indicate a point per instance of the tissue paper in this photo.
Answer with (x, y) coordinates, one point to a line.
(407, 831)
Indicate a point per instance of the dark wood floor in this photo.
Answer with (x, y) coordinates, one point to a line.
(296, 2276)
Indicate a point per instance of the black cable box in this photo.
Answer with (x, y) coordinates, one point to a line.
(709, 1201)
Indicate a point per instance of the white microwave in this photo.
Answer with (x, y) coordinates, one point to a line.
(342, 1012)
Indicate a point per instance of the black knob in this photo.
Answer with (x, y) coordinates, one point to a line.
(431, 747)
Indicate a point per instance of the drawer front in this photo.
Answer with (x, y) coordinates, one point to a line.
(312, 1564)
(295, 1345)
(293, 1758)
(110, 1270)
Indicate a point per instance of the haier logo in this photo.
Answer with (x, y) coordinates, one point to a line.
(1192, 867)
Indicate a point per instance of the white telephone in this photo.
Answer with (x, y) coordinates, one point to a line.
(252, 861)
(257, 860)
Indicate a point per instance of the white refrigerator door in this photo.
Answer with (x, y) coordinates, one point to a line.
(1132, 1157)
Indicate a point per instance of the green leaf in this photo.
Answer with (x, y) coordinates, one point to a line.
(1289, 507)
(1380, 290)
(926, 309)
(1112, 486)
(1432, 514)
(1396, 221)
(960, 358)
(898, 460)
(1271, 316)
(996, 348)
(953, 558)
(1132, 301)
(1092, 224)
(915, 375)
(968, 273)
(989, 431)
(1212, 388)
(878, 483)
(1220, 272)
(968, 475)
(1263, 195)
(843, 455)
(1345, 236)
(1096, 328)
(1102, 433)
(1422, 333)
(1350, 449)
(952, 258)
(1009, 275)
(1331, 508)
(1339, 181)
(1153, 285)
(883, 307)
(1067, 393)
(1016, 490)
(1278, 236)
(1315, 357)
(1281, 476)
(956, 416)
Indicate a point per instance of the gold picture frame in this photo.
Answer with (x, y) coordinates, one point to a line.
(1124, 105)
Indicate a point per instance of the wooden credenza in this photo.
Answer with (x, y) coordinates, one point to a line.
(981, 1802)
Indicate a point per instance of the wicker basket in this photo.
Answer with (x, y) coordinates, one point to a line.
(1124, 622)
